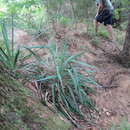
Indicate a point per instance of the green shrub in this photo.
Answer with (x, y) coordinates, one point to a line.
(64, 81)
(8, 55)
(11, 58)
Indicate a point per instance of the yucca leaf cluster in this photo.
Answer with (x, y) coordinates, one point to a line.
(8, 54)
(12, 58)
(63, 82)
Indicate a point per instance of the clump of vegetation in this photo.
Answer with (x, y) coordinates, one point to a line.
(11, 58)
(63, 82)
(8, 56)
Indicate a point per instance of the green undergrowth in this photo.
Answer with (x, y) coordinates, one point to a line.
(65, 82)
(19, 110)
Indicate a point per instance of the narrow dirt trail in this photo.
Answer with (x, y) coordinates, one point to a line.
(113, 99)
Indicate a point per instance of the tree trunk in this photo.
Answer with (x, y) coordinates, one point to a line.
(125, 53)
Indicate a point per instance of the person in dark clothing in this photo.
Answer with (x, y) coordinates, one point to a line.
(104, 15)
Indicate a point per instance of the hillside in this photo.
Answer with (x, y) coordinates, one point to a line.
(21, 109)
(112, 99)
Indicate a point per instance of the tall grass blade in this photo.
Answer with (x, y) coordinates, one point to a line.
(53, 93)
(6, 41)
(12, 21)
(73, 80)
(4, 54)
(47, 78)
(73, 57)
(37, 57)
(83, 64)
(16, 58)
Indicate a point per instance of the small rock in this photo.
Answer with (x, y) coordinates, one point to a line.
(108, 114)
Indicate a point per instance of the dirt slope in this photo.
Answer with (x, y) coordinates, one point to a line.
(113, 99)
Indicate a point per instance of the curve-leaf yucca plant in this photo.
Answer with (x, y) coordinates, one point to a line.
(8, 55)
(63, 80)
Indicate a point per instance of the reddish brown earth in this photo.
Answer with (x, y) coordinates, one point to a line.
(113, 99)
